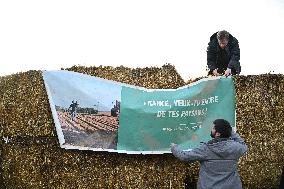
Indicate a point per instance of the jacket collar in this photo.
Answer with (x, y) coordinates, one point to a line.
(215, 140)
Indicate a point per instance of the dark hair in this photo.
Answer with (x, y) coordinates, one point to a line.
(223, 127)
(223, 35)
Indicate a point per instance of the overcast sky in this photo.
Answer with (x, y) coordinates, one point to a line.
(49, 35)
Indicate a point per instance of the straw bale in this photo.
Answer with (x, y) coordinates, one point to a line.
(165, 77)
(260, 121)
(24, 106)
(30, 155)
(40, 163)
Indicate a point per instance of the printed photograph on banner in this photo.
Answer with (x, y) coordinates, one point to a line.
(88, 109)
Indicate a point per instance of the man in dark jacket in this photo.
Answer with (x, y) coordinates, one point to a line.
(73, 109)
(223, 54)
(218, 157)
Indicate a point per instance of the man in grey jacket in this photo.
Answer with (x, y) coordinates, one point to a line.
(218, 157)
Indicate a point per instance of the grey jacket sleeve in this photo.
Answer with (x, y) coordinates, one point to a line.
(236, 137)
(196, 154)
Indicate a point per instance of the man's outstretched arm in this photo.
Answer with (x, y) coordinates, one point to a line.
(196, 154)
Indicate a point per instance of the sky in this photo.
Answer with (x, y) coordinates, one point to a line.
(55, 34)
(90, 91)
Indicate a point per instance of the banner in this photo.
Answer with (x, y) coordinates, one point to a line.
(91, 113)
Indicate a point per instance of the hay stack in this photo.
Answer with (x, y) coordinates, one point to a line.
(165, 77)
(260, 119)
(31, 156)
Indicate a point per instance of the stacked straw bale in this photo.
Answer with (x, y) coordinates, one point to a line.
(260, 120)
(30, 155)
(165, 77)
